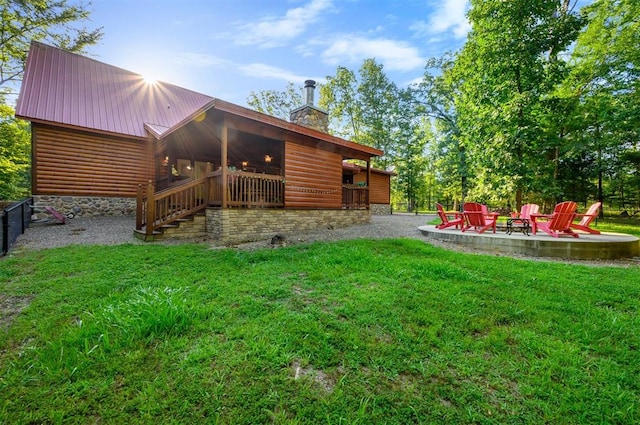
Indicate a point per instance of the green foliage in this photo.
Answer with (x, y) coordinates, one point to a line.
(361, 108)
(369, 109)
(340, 99)
(604, 81)
(541, 104)
(505, 75)
(53, 21)
(277, 103)
(435, 96)
(15, 155)
(385, 331)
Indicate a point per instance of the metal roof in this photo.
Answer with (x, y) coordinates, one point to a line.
(64, 88)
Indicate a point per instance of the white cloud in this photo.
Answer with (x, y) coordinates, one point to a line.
(449, 15)
(276, 31)
(394, 55)
(261, 70)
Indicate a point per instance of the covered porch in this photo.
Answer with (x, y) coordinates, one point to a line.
(242, 190)
(229, 157)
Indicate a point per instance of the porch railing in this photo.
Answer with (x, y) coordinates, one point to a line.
(355, 196)
(251, 190)
(248, 190)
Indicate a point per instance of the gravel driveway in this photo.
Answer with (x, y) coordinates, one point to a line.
(119, 230)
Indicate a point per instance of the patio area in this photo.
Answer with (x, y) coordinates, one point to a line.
(606, 246)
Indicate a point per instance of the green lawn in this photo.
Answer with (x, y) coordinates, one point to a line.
(359, 332)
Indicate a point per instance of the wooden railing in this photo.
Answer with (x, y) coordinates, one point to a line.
(251, 190)
(157, 209)
(355, 196)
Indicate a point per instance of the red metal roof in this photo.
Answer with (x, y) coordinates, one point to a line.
(65, 88)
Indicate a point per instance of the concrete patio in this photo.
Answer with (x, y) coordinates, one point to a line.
(605, 246)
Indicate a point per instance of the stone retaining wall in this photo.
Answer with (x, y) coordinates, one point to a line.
(253, 224)
(85, 206)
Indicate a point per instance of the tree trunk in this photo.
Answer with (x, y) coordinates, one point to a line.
(518, 199)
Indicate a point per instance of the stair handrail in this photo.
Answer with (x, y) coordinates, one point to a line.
(157, 209)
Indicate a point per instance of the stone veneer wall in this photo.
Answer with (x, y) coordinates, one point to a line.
(85, 206)
(380, 209)
(252, 224)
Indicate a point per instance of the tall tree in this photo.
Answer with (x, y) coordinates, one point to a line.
(339, 98)
(505, 73)
(54, 21)
(277, 103)
(412, 134)
(359, 107)
(605, 83)
(435, 95)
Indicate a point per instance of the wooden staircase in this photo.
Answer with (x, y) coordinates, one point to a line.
(192, 227)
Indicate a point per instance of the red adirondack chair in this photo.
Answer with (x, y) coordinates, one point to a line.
(527, 209)
(449, 219)
(587, 218)
(478, 218)
(558, 223)
(522, 219)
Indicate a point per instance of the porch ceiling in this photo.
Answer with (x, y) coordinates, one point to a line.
(201, 140)
(208, 122)
(250, 140)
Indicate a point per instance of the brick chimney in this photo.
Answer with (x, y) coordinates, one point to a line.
(308, 115)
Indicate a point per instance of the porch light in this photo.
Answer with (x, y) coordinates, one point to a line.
(267, 160)
(244, 164)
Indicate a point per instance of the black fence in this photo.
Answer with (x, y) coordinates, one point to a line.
(15, 219)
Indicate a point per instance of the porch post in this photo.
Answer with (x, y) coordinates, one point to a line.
(223, 160)
(368, 182)
(139, 201)
(151, 209)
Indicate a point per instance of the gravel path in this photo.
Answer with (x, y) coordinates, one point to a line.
(119, 230)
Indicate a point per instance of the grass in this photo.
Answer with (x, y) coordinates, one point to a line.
(357, 332)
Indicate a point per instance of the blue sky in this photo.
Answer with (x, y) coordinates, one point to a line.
(227, 48)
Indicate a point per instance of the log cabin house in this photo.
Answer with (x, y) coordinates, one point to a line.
(106, 142)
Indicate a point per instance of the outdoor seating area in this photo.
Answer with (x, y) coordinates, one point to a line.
(476, 217)
(563, 233)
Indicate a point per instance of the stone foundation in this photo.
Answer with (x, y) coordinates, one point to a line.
(252, 224)
(84, 206)
(380, 209)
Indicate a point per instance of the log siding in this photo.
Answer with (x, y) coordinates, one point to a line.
(313, 177)
(76, 163)
(379, 187)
